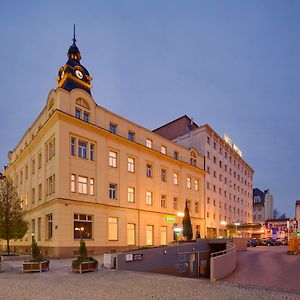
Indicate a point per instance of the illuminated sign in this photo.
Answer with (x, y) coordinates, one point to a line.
(170, 218)
(228, 140)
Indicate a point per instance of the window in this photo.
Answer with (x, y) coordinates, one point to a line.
(131, 194)
(78, 113)
(50, 185)
(175, 203)
(33, 166)
(208, 200)
(196, 207)
(208, 169)
(33, 196)
(112, 191)
(112, 159)
(73, 146)
(163, 150)
(188, 204)
(112, 229)
(92, 152)
(163, 235)
(83, 226)
(82, 149)
(130, 234)
(163, 175)
(26, 199)
(193, 159)
(189, 182)
(176, 155)
(208, 140)
(50, 149)
(175, 178)
(40, 160)
(33, 226)
(39, 229)
(40, 191)
(208, 154)
(149, 198)
(131, 136)
(149, 170)
(86, 116)
(82, 185)
(196, 185)
(113, 128)
(26, 172)
(215, 160)
(148, 143)
(49, 226)
(131, 165)
(21, 177)
(73, 183)
(215, 145)
(163, 201)
(92, 186)
(149, 235)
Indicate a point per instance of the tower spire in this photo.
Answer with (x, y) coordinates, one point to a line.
(74, 35)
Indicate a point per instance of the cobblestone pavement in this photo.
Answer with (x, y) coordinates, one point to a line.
(267, 267)
(60, 283)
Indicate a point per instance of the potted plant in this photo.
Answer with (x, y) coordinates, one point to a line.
(84, 263)
(38, 263)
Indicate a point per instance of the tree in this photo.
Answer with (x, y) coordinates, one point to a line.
(187, 225)
(35, 250)
(282, 216)
(275, 213)
(12, 224)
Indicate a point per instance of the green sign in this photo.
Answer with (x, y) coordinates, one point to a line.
(170, 218)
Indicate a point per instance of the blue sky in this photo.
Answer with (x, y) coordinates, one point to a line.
(232, 64)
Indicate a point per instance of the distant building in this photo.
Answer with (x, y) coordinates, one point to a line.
(276, 228)
(262, 205)
(228, 178)
(297, 214)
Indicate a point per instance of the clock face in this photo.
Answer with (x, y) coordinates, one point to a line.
(62, 74)
(78, 74)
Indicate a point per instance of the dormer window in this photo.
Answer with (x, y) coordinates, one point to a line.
(78, 113)
(193, 159)
(86, 117)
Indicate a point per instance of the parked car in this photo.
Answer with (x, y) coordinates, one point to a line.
(268, 242)
(278, 242)
(285, 242)
(252, 243)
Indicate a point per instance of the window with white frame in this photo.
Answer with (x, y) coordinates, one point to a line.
(86, 116)
(196, 184)
(82, 149)
(51, 185)
(189, 182)
(83, 226)
(49, 226)
(112, 229)
(131, 165)
(92, 151)
(163, 175)
(148, 143)
(92, 186)
(130, 234)
(149, 170)
(82, 185)
(149, 198)
(112, 159)
(163, 149)
(149, 235)
(73, 183)
(131, 194)
(112, 191)
(40, 160)
(50, 149)
(73, 146)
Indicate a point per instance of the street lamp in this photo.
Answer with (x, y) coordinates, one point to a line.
(236, 225)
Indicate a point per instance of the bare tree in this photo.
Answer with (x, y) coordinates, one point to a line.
(12, 224)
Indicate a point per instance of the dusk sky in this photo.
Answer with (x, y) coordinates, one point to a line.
(232, 64)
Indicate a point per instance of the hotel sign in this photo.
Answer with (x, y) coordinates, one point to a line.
(134, 257)
(228, 140)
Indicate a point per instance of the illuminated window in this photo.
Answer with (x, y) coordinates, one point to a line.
(73, 183)
(163, 235)
(175, 178)
(82, 185)
(83, 226)
(163, 150)
(131, 194)
(149, 235)
(196, 185)
(189, 182)
(149, 198)
(131, 165)
(130, 234)
(112, 229)
(112, 159)
(148, 143)
(92, 188)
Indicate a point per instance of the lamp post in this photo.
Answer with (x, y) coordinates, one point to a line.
(236, 225)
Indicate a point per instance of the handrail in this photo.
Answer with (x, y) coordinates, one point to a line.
(231, 247)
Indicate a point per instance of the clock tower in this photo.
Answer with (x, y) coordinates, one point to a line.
(73, 74)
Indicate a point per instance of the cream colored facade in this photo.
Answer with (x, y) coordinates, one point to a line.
(63, 193)
(228, 180)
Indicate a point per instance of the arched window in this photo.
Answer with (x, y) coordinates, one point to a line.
(82, 102)
(193, 159)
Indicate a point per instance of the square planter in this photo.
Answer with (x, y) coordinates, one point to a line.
(36, 266)
(85, 266)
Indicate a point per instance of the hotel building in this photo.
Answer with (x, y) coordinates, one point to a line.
(82, 171)
(228, 179)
